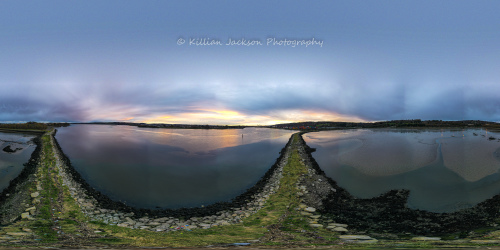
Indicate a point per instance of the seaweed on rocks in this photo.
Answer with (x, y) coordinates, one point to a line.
(389, 212)
(106, 203)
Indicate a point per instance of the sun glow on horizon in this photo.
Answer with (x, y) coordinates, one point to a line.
(232, 117)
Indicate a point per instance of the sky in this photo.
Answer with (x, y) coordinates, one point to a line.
(170, 61)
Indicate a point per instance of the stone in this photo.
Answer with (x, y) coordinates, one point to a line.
(123, 225)
(372, 241)
(485, 241)
(310, 209)
(305, 213)
(340, 229)
(18, 233)
(315, 216)
(224, 223)
(426, 238)
(25, 215)
(35, 194)
(337, 225)
(355, 237)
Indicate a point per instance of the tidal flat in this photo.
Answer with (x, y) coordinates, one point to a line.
(444, 170)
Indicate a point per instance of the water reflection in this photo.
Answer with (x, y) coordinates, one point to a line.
(170, 168)
(444, 169)
(11, 163)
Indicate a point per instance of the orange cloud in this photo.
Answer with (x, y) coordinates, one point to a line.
(231, 117)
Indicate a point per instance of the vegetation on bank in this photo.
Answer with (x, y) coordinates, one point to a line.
(30, 126)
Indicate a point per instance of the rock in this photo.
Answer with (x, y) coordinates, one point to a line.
(315, 216)
(306, 213)
(25, 215)
(337, 225)
(310, 209)
(425, 238)
(485, 241)
(18, 233)
(314, 225)
(373, 241)
(355, 237)
(35, 194)
(340, 229)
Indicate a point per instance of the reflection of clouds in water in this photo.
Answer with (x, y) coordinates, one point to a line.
(468, 173)
(379, 152)
(163, 169)
(472, 157)
(11, 164)
(389, 154)
(202, 140)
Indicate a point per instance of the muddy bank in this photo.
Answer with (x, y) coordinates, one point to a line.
(388, 212)
(14, 198)
(101, 207)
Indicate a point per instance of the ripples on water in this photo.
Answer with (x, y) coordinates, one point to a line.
(11, 164)
(171, 168)
(445, 170)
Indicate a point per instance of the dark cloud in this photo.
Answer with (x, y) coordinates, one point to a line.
(375, 64)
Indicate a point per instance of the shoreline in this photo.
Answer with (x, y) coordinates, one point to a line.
(11, 206)
(389, 212)
(100, 207)
(288, 213)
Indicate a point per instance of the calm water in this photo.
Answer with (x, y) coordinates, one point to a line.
(171, 168)
(11, 164)
(445, 170)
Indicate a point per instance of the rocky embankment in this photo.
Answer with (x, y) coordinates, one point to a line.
(387, 213)
(100, 208)
(15, 199)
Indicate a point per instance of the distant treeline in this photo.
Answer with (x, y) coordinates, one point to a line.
(31, 125)
(385, 124)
